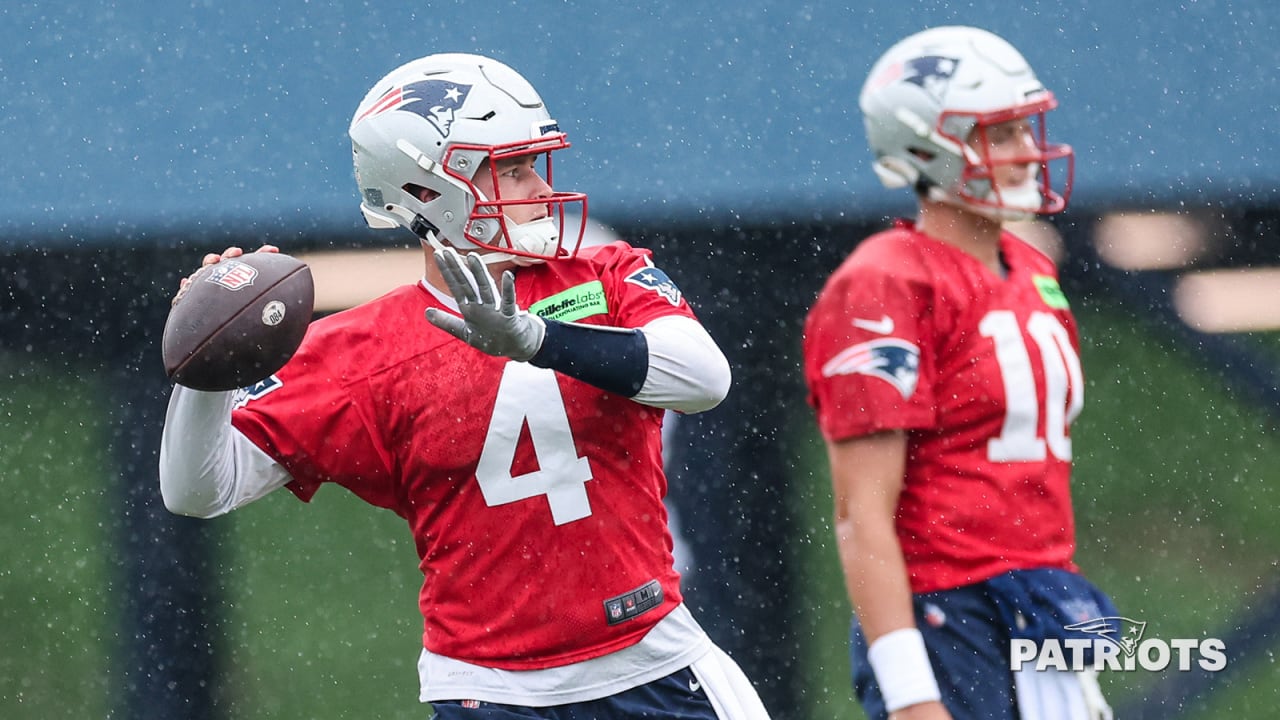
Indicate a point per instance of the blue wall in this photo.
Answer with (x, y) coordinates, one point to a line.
(126, 119)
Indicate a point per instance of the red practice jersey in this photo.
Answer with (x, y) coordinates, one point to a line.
(535, 500)
(984, 373)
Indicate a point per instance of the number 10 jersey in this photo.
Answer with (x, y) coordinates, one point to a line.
(913, 334)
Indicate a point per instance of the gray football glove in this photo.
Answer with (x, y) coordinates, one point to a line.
(491, 321)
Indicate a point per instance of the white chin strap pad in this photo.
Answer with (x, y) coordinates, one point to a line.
(540, 237)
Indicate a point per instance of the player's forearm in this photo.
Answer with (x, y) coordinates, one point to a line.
(206, 467)
(875, 575)
(868, 475)
(670, 363)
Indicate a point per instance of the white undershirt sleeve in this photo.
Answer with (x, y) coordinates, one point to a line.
(687, 370)
(207, 467)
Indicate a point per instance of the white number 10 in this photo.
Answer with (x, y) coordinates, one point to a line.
(1018, 439)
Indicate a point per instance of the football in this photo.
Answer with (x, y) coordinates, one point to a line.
(238, 321)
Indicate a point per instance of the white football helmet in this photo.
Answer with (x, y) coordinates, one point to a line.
(927, 95)
(432, 123)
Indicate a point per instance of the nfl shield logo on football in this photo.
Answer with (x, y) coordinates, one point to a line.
(233, 275)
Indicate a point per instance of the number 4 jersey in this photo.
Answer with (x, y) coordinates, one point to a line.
(914, 334)
(535, 500)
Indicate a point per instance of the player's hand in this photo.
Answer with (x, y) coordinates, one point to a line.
(491, 321)
(214, 259)
(922, 711)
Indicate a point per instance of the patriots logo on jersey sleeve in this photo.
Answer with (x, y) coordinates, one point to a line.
(651, 278)
(895, 361)
(257, 390)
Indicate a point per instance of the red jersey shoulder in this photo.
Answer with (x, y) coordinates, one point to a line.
(897, 247)
(887, 264)
(612, 253)
(593, 262)
(895, 253)
(611, 284)
(363, 340)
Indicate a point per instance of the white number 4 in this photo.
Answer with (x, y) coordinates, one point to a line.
(531, 394)
(1018, 439)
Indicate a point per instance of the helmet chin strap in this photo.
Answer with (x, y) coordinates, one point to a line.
(540, 237)
(1013, 204)
(1017, 203)
(536, 236)
(429, 237)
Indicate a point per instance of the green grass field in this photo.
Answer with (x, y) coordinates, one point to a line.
(56, 586)
(1175, 490)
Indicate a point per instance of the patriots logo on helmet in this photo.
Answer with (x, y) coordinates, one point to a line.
(895, 361)
(436, 101)
(1119, 631)
(930, 72)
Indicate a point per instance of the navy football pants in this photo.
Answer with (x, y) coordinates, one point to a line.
(968, 646)
(669, 697)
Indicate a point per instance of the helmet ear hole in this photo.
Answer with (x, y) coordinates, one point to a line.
(423, 194)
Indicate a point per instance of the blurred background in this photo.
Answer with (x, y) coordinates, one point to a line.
(137, 136)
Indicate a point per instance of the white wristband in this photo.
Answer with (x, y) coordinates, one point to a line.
(902, 669)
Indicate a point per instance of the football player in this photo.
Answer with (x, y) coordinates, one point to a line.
(509, 407)
(942, 361)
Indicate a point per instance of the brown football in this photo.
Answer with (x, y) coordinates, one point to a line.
(238, 321)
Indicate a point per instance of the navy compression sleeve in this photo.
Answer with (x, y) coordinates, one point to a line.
(613, 359)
